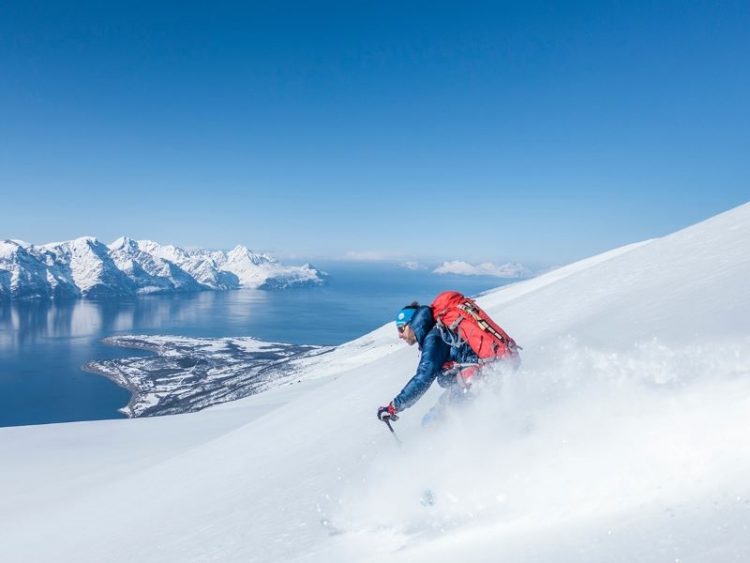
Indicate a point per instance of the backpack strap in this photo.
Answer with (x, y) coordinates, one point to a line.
(449, 335)
(469, 309)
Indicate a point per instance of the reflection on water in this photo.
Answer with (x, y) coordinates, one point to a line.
(25, 322)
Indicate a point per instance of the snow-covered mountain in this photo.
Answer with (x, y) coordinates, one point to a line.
(87, 262)
(85, 267)
(622, 438)
(149, 272)
(199, 264)
(24, 275)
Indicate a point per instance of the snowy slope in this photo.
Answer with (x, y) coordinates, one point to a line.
(201, 265)
(622, 438)
(86, 267)
(22, 274)
(87, 262)
(148, 272)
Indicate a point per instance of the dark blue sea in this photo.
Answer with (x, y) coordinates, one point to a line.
(43, 345)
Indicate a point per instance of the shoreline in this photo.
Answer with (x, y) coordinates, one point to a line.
(119, 379)
(121, 382)
(184, 374)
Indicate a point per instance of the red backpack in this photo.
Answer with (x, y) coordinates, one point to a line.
(464, 318)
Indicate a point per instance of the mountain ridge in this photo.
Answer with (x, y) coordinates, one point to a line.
(87, 268)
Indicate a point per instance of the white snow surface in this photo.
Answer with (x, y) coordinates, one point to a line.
(623, 437)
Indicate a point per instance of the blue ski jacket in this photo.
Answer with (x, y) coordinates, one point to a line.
(435, 353)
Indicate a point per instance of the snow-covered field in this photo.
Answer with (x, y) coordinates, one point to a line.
(624, 437)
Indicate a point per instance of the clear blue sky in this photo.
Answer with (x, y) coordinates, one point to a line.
(535, 131)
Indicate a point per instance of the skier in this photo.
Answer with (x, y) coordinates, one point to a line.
(447, 356)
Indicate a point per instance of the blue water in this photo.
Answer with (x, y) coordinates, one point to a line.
(43, 345)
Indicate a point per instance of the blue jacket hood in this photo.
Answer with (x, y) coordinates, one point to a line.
(422, 323)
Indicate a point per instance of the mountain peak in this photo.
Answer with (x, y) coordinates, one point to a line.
(122, 242)
(87, 240)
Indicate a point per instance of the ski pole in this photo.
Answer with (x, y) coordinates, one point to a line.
(393, 432)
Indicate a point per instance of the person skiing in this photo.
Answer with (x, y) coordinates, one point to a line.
(445, 357)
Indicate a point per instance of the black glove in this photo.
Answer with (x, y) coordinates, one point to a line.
(388, 413)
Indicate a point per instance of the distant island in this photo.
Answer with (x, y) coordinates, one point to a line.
(87, 268)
